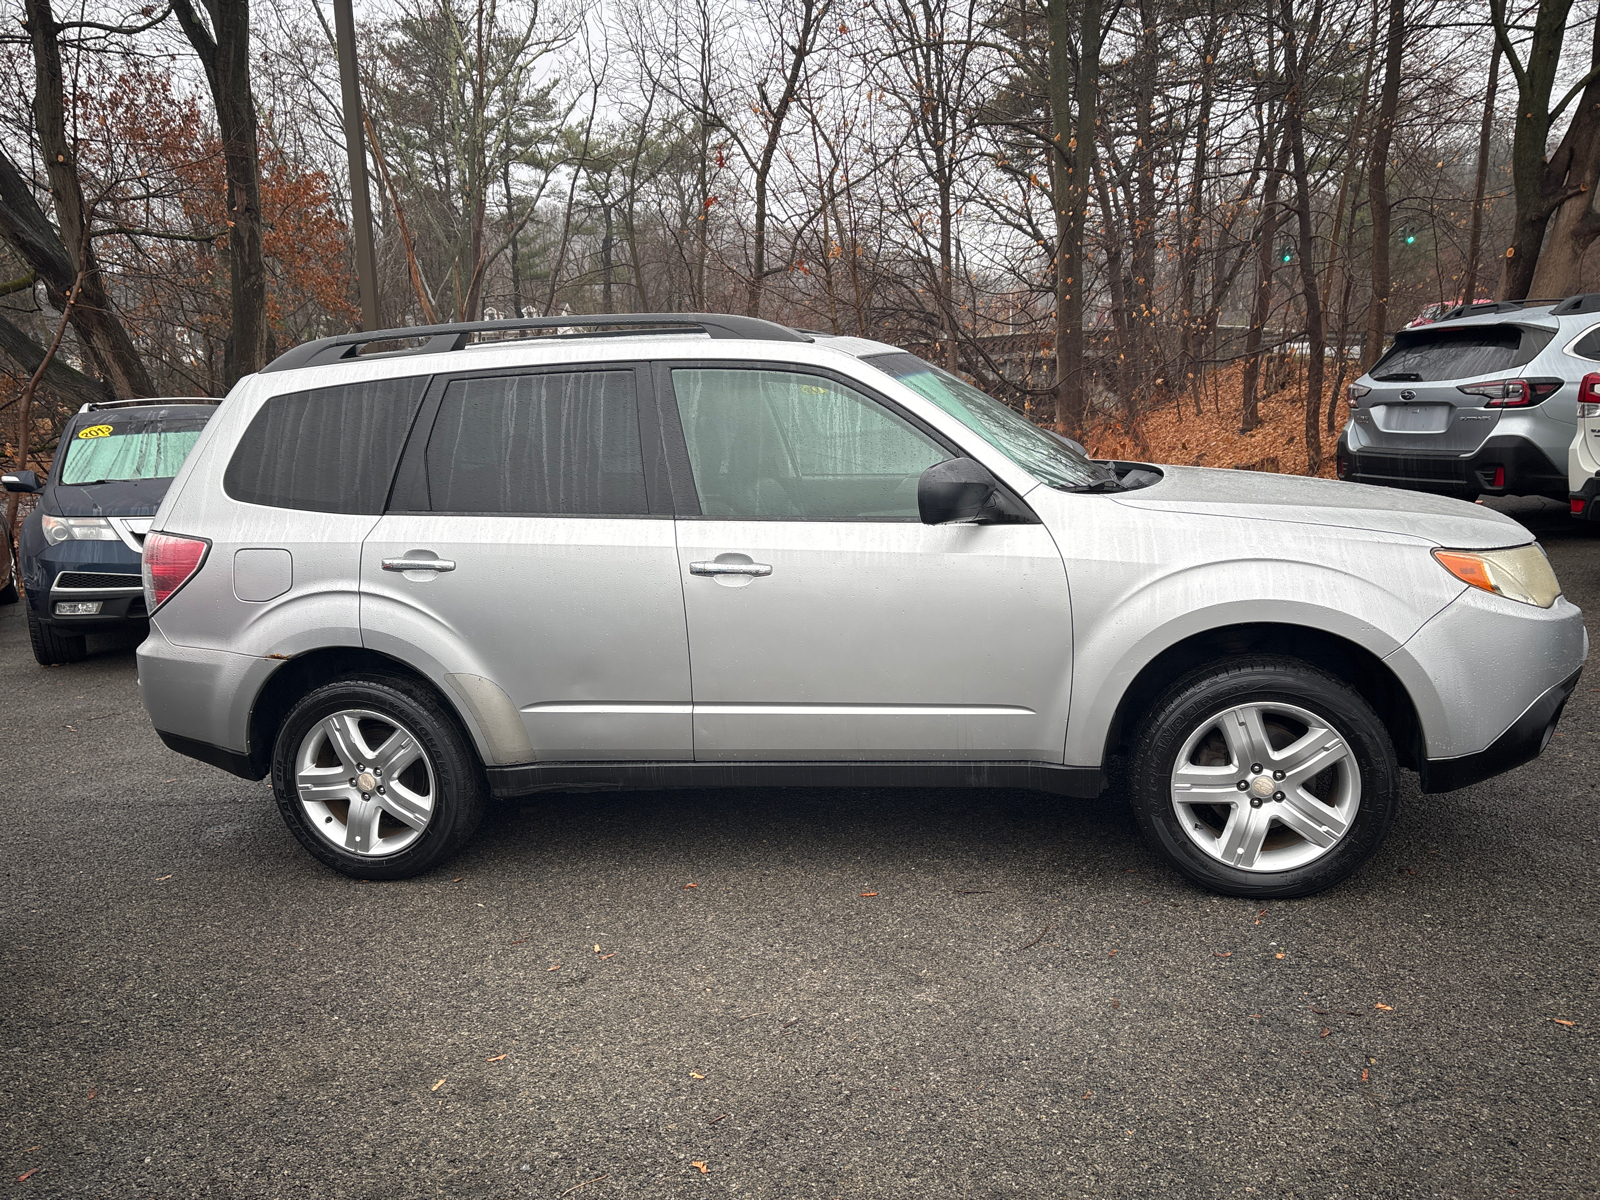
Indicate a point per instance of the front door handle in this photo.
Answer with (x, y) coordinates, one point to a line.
(720, 568)
(419, 564)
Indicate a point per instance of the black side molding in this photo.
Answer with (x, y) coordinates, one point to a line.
(528, 778)
(1524, 741)
(230, 761)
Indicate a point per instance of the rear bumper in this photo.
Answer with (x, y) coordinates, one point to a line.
(1524, 741)
(1506, 465)
(1585, 502)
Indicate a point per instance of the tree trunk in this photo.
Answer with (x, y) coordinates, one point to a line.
(1316, 332)
(1266, 267)
(59, 259)
(1573, 169)
(1378, 183)
(224, 52)
(1193, 331)
(1469, 282)
(1071, 162)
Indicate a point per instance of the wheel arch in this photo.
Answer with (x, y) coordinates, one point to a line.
(305, 672)
(1347, 660)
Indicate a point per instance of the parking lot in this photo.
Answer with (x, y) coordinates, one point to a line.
(787, 994)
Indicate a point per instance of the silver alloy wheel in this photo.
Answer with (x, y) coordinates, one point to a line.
(1266, 786)
(365, 783)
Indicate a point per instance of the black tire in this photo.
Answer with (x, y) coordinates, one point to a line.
(51, 647)
(9, 590)
(1190, 708)
(457, 789)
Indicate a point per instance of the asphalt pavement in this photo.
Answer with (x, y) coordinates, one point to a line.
(791, 994)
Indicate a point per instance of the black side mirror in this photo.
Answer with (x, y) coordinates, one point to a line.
(959, 489)
(21, 481)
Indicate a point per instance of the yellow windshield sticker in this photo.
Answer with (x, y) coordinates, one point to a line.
(95, 431)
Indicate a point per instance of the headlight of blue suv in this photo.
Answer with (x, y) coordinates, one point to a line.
(82, 529)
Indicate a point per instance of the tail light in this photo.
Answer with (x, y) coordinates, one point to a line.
(1589, 395)
(1357, 391)
(1512, 393)
(170, 560)
(1577, 503)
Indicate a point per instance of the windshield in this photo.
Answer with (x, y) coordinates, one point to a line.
(1044, 456)
(117, 450)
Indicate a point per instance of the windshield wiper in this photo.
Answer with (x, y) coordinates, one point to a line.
(1109, 484)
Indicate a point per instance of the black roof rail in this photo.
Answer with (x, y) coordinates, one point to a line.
(1573, 306)
(442, 339)
(148, 402)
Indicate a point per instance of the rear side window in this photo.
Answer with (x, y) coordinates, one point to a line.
(329, 450)
(562, 443)
(1425, 355)
(1588, 346)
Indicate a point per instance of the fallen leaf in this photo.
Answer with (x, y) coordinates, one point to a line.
(1279, 954)
(169, 781)
(1222, 954)
(163, 878)
(1559, 1021)
(603, 957)
(1365, 1075)
(556, 967)
(1325, 1033)
(687, 886)
(597, 948)
(496, 1058)
(866, 894)
(1383, 1007)
(696, 1075)
(458, 879)
(91, 1093)
(1088, 1096)
(1115, 1003)
(438, 1085)
(1255, 1016)
(24, 1177)
(701, 1165)
(1111, 954)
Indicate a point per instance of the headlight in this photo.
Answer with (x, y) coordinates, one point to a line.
(1520, 573)
(82, 529)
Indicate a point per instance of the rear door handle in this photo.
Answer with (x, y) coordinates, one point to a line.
(419, 564)
(719, 568)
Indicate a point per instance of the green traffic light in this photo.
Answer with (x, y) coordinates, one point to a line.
(1411, 239)
(1287, 257)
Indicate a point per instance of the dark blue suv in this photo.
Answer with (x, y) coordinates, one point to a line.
(79, 549)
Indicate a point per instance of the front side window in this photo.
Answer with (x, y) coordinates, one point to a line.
(559, 443)
(776, 444)
(329, 450)
(1047, 458)
(123, 449)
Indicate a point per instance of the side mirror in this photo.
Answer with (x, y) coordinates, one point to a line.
(21, 481)
(958, 489)
(1071, 443)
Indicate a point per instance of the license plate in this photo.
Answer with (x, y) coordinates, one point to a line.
(1412, 418)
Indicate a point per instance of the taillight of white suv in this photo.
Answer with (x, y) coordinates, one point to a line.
(170, 560)
(1589, 396)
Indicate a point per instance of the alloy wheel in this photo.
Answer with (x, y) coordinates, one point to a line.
(365, 783)
(1266, 786)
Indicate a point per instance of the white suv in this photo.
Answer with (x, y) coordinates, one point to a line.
(695, 550)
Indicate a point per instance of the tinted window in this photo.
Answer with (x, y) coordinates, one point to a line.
(786, 444)
(558, 443)
(1588, 346)
(1426, 355)
(122, 448)
(329, 450)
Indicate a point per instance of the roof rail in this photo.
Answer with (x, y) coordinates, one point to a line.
(1572, 306)
(148, 402)
(442, 339)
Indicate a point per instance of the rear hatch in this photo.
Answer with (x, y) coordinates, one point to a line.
(1416, 404)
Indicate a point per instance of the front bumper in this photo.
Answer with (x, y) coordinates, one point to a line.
(76, 573)
(1506, 465)
(1524, 741)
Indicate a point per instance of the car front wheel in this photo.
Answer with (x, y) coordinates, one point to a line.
(377, 778)
(1264, 777)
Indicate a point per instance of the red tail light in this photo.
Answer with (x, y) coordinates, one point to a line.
(1577, 506)
(1589, 395)
(170, 561)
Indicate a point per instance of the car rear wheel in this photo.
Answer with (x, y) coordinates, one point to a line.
(1264, 777)
(377, 778)
(51, 647)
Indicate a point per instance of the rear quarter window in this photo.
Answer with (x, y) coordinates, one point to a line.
(1588, 346)
(1427, 355)
(326, 450)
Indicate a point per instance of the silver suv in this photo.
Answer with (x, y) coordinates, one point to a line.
(1482, 402)
(689, 551)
